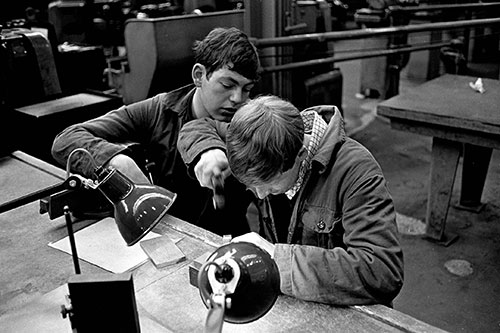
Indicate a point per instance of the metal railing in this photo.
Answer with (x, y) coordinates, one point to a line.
(365, 33)
(447, 7)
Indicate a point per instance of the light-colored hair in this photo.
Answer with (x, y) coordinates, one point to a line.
(264, 139)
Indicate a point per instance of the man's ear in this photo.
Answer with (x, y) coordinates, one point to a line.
(197, 73)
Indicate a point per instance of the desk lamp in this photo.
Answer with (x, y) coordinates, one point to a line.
(137, 207)
(239, 283)
(106, 303)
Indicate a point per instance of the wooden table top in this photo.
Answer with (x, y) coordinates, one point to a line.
(166, 301)
(63, 104)
(449, 101)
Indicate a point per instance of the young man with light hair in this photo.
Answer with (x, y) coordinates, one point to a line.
(341, 245)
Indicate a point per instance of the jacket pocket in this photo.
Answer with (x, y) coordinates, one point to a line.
(321, 227)
(320, 219)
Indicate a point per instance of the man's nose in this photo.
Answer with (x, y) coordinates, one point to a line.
(237, 96)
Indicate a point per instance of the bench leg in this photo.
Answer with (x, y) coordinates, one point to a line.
(444, 163)
(475, 168)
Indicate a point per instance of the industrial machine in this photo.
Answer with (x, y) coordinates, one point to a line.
(33, 106)
(318, 84)
(380, 75)
(159, 52)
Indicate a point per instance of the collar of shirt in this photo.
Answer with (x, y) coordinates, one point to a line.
(315, 126)
(180, 101)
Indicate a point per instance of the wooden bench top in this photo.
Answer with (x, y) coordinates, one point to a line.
(448, 101)
(166, 301)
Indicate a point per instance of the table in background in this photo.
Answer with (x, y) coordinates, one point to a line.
(166, 300)
(461, 121)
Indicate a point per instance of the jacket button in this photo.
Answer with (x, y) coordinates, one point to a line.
(321, 225)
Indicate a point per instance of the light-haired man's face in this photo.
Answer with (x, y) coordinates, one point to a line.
(223, 92)
(279, 184)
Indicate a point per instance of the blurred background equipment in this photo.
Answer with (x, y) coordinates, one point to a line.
(34, 106)
(169, 58)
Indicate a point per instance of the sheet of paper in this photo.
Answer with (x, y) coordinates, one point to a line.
(101, 244)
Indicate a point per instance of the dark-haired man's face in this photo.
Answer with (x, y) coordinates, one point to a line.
(223, 92)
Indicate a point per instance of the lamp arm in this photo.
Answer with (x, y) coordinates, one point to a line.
(73, 182)
(223, 276)
(215, 315)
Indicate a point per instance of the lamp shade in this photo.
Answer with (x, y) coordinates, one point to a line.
(246, 275)
(137, 207)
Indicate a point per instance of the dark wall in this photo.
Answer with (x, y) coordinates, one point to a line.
(13, 9)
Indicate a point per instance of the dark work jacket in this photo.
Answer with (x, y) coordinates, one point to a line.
(342, 242)
(148, 130)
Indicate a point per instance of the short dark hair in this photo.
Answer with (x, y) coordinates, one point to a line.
(228, 47)
(264, 139)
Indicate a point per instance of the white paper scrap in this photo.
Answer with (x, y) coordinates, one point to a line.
(101, 244)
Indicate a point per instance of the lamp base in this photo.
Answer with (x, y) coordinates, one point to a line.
(103, 303)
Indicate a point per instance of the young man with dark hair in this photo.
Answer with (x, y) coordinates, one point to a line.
(342, 244)
(225, 70)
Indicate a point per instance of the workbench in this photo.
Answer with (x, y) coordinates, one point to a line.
(166, 301)
(461, 122)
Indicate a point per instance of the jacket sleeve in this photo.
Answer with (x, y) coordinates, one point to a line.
(106, 136)
(198, 136)
(369, 269)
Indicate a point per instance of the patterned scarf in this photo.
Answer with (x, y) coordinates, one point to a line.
(316, 127)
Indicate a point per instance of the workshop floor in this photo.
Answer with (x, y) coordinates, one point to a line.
(465, 297)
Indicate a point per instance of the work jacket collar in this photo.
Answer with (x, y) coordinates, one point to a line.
(181, 101)
(333, 138)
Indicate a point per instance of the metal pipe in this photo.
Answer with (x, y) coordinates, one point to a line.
(370, 32)
(40, 194)
(463, 6)
(363, 55)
